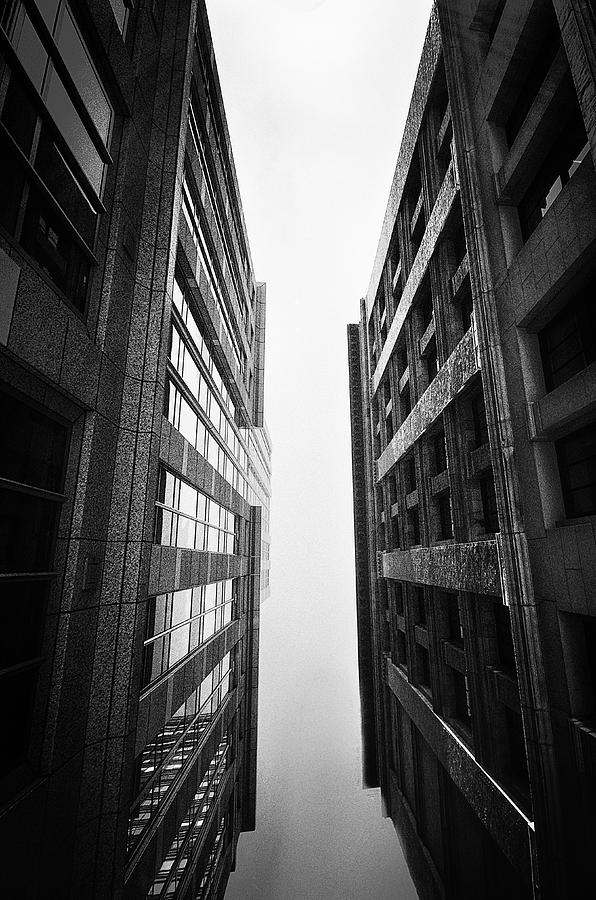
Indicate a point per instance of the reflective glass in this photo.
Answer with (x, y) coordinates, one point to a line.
(77, 137)
(30, 51)
(81, 69)
(49, 11)
(61, 181)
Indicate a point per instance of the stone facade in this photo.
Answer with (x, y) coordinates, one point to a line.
(475, 459)
(134, 462)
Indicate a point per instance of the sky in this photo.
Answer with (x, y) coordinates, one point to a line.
(316, 95)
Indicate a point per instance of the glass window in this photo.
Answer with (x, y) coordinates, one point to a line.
(29, 49)
(577, 466)
(568, 342)
(489, 503)
(76, 135)
(445, 530)
(65, 187)
(479, 420)
(50, 243)
(174, 527)
(33, 448)
(32, 457)
(175, 748)
(71, 155)
(82, 71)
(562, 159)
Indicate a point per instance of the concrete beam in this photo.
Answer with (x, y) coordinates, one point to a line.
(459, 567)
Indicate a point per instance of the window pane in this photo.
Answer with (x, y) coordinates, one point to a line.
(32, 449)
(22, 611)
(186, 533)
(209, 625)
(178, 644)
(50, 243)
(48, 9)
(26, 532)
(30, 51)
(19, 115)
(181, 605)
(68, 121)
(577, 465)
(58, 177)
(188, 422)
(83, 74)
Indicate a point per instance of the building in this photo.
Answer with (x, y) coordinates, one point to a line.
(473, 406)
(134, 458)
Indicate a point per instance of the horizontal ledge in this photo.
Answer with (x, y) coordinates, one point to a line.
(432, 235)
(449, 382)
(27, 576)
(472, 566)
(565, 406)
(33, 490)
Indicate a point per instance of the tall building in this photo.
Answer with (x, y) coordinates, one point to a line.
(134, 458)
(473, 406)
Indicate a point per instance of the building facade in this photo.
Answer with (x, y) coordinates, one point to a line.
(473, 407)
(134, 457)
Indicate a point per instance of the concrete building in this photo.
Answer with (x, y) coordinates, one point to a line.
(473, 405)
(134, 459)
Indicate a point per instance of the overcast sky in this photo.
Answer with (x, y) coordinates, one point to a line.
(316, 95)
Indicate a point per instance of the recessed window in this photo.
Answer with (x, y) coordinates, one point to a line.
(466, 307)
(389, 427)
(577, 466)
(432, 363)
(398, 596)
(405, 401)
(517, 766)
(440, 452)
(410, 474)
(395, 531)
(392, 481)
(455, 627)
(462, 707)
(423, 667)
(414, 526)
(535, 71)
(420, 607)
(504, 637)
(479, 420)
(426, 312)
(400, 641)
(489, 503)
(562, 159)
(402, 360)
(568, 342)
(445, 526)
